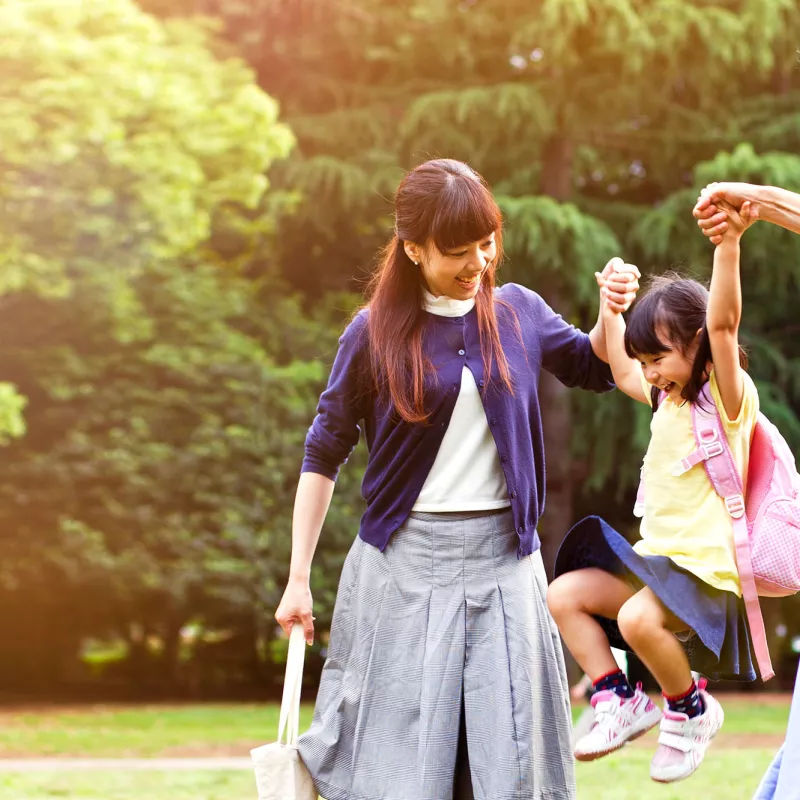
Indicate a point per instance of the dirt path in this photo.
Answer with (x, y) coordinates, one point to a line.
(10, 710)
(231, 758)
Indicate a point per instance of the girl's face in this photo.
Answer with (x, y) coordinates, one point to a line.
(670, 370)
(457, 272)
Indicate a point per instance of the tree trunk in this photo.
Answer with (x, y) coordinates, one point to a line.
(556, 408)
(557, 159)
(170, 657)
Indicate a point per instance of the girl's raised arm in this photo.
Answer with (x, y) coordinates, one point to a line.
(626, 371)
(725, 309)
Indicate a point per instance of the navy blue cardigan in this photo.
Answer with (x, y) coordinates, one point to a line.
(401, 454)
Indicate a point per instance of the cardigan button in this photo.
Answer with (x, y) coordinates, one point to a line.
(512, 495)
(503, 459)
(462, 352)
(521, 529)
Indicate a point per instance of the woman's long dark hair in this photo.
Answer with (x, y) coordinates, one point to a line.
(678, 307)
(446, 203)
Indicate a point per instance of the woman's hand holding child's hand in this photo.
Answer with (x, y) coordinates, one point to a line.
(738, 220)
(618, 284)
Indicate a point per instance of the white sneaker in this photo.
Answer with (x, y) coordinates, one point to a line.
(617, 720)
(682, 742)
(582, 726)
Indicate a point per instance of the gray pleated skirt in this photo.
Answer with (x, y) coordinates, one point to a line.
(447, 612)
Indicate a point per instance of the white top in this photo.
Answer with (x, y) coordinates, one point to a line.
(466, 475)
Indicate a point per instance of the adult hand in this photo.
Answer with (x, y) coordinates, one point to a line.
(711, 218)
(739, 220)
(296, 606)
(619, 283)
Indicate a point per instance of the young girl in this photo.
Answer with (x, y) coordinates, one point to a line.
(673, 597)
(780, 207)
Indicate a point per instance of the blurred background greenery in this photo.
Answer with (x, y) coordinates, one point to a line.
(192, 193)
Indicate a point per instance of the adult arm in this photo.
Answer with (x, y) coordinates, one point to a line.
(576, 358)
(330, 440)
(311, 505)
(770, 203)
(335, 429)
(567, 352)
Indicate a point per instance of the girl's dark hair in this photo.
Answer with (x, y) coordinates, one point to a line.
(677, 306)
(447, 203)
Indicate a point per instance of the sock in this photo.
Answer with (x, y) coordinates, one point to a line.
(689, 703)
(614, 681)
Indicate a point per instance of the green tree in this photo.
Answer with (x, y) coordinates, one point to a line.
(124, 139)
(584, 116)
(162, 402)
(155, 487)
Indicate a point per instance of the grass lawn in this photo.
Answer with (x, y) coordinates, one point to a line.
(732, 774)
(97, 731)
(231, 729)
(733, 768)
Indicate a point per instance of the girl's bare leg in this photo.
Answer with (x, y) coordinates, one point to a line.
(573, 598)
(650, 628)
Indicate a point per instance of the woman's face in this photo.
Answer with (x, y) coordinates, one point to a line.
(457, 272)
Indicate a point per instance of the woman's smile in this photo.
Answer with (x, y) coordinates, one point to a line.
(469, 283)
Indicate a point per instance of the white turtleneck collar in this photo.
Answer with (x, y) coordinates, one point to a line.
(445, 306)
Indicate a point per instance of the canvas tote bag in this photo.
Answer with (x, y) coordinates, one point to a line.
(280, 774)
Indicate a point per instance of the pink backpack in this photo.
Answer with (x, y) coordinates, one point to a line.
(765, 515)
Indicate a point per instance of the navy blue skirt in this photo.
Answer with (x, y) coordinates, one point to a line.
(720, 647)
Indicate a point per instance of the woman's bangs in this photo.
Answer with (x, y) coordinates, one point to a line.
(640, 334)
(466, 213)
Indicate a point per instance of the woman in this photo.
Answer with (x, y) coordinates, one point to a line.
(781, 207)
(445, 676)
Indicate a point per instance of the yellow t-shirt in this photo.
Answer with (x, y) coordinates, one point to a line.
(684, 518)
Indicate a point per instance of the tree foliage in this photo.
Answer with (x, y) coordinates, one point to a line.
(123, 138)
(590, 118)
(169, 249)
(165, 410)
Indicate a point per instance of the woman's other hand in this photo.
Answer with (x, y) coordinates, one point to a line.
(296, 606)
(739, 220)
(711, 217)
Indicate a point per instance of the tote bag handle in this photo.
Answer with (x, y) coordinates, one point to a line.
(289, 723)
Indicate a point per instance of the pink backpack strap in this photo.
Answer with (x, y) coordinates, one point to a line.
(713, 450)
(755, 620)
